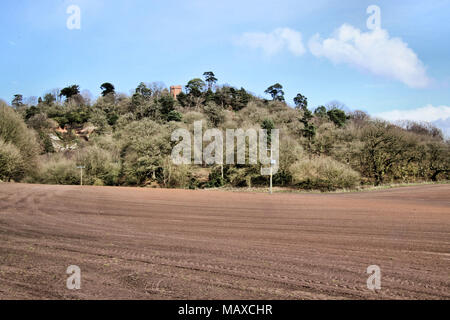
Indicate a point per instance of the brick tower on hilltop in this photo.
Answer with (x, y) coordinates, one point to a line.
(175, 91)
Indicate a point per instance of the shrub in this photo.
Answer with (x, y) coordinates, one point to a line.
(290, 152)
(100, 166)
(98, 182)
(173, 176)
(253, 113)
(125, 120)
(167, 104)
(144, 145)
(99, 119)
(215, 179)
(46, 142)
(323, 174)
(13, 131)
(192, 116)
(337, 116)
(57, 169)
(40, 121)
(215, 113)
(174, 116)
(385, 149)
(12, 166)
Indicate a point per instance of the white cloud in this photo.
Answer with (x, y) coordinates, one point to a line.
(444, 125)
(274, 42)
(374, 51)
(428, 113)
(438, 116)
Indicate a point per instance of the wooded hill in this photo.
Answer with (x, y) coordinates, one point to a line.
(126, 140)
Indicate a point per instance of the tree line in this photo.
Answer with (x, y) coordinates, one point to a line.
(125, 139)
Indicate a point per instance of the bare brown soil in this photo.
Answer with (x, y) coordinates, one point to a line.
(175, 244)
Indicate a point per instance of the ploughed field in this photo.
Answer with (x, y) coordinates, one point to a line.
(135, 243)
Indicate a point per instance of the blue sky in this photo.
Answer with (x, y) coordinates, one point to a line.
(404, 70)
